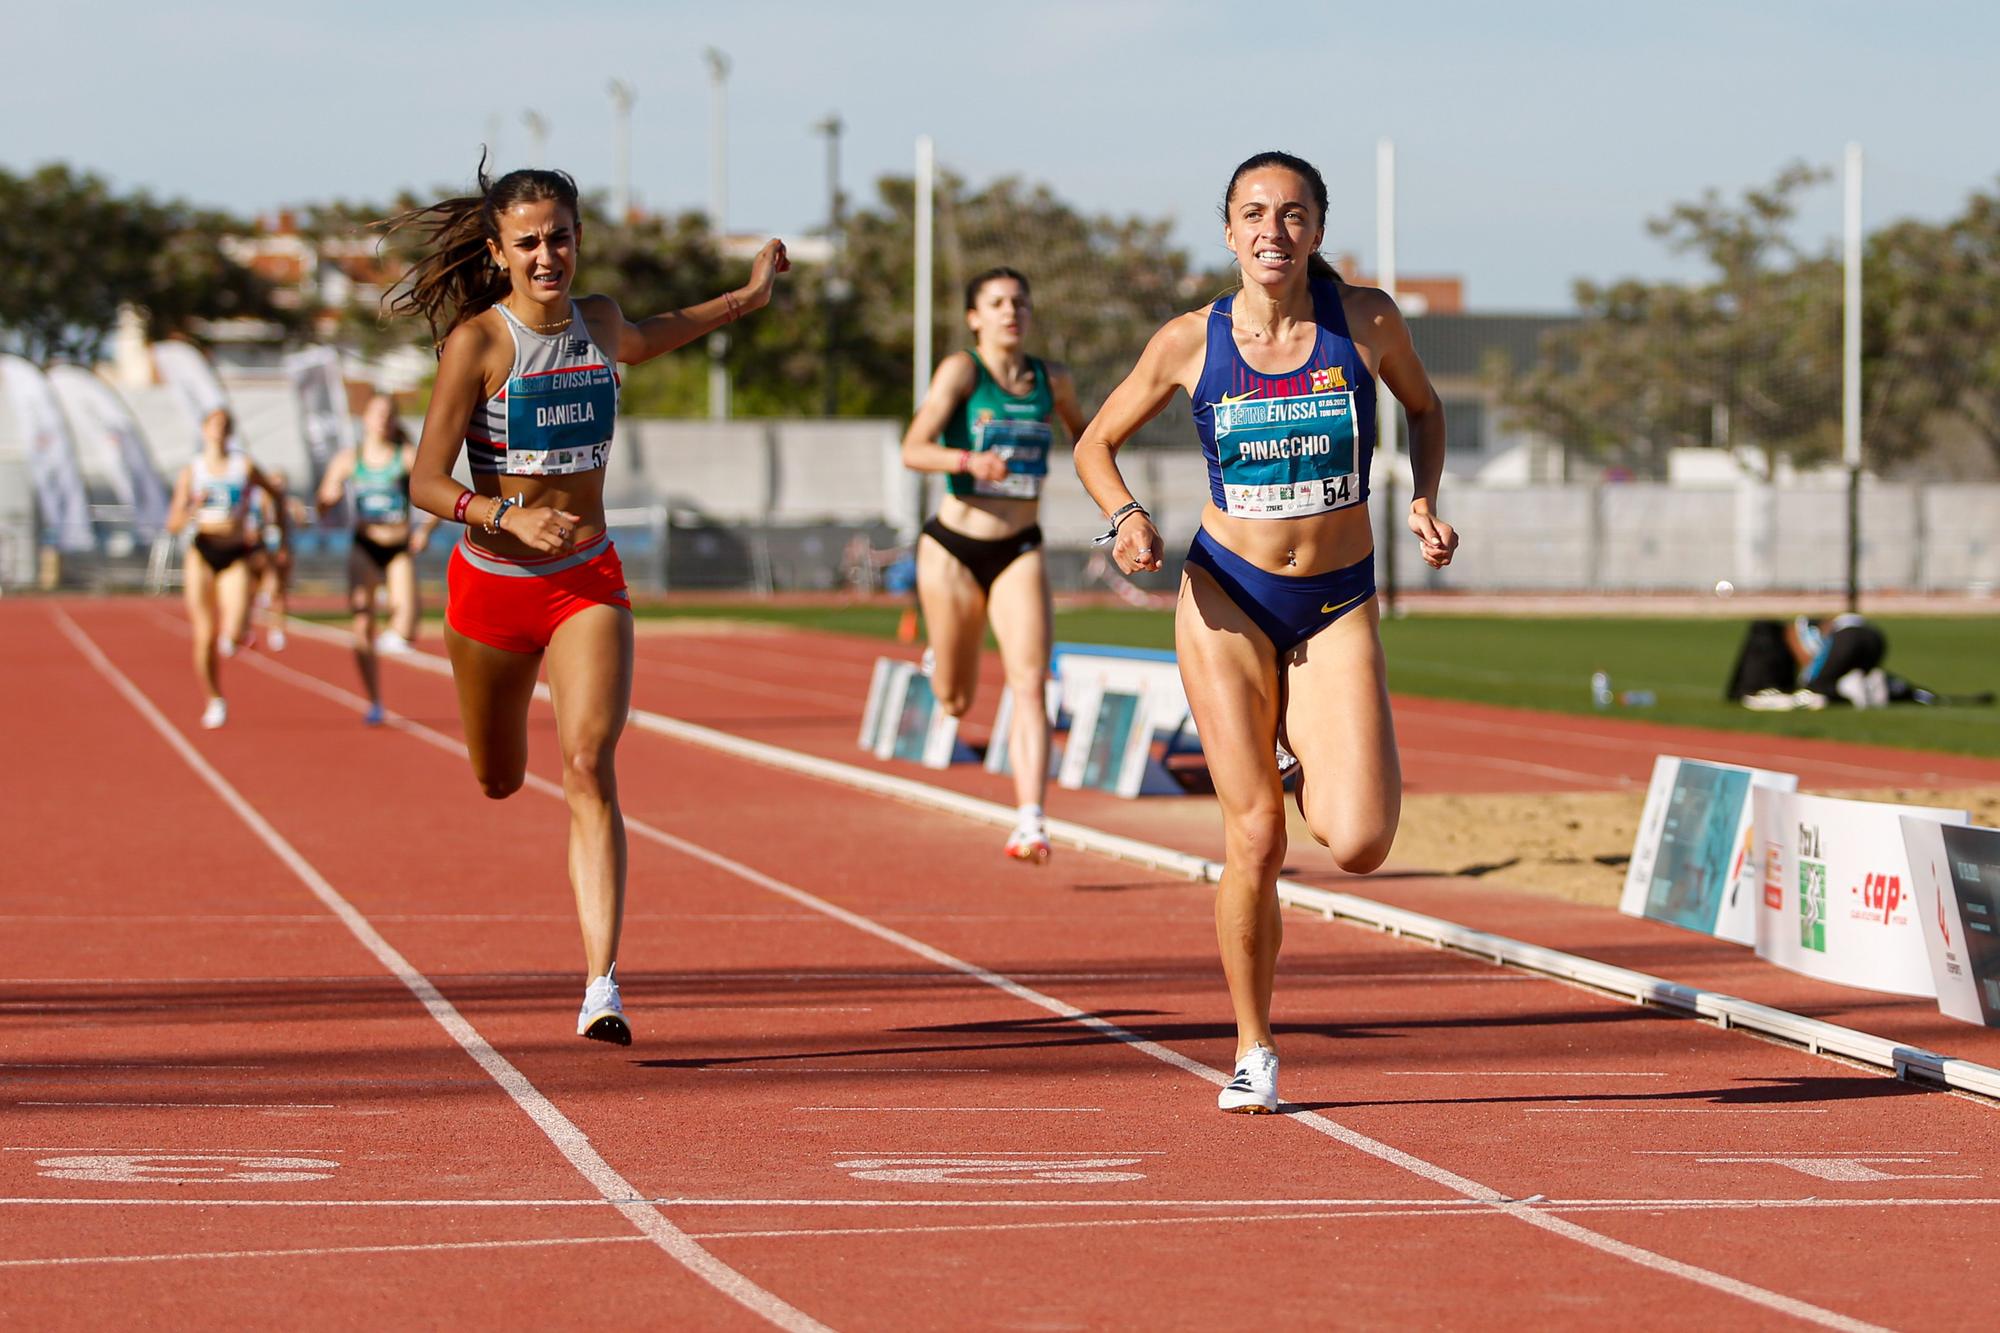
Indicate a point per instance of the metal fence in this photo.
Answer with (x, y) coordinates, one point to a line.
(1609, 538)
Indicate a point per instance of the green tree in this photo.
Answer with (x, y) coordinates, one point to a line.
(78, 250)
(1750, 357)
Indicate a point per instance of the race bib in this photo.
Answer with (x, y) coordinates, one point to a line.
(381, 505)
(560, 421)
(221, 501)
(1283, 457)
(1025, 446)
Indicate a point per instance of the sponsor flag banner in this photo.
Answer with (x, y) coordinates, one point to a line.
(65, 508)
(1955, 870)
(102, 415)
(322, 392)
(1692, 864)
(1836, 899)
(193, 381)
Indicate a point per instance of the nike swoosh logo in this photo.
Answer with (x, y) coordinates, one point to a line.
(1228, 399)
(1326, 610)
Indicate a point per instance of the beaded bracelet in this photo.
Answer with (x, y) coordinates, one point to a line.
(493, 519)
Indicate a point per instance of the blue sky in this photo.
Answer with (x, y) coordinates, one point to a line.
(1533, 138)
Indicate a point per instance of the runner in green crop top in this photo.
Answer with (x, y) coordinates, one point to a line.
(987, 424)
(375, 475)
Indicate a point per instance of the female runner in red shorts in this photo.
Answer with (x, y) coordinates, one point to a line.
(527, 383)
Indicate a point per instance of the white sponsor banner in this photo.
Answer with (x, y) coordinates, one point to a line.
(322, 389)
(1836, 896)
(193, 381)
(1691, 863)
(102, 418)
(65, 508)
(1956, 874)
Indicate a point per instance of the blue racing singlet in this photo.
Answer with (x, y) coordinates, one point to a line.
(1286, 446)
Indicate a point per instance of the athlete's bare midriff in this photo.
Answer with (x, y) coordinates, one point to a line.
(579, 493)
(1313, 544)
(986, 518)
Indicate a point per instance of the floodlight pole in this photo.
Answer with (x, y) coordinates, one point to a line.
(718, 212)
(622, 98)
(921, 317)
(1850, 375)
(1385, 402)
(835, 288)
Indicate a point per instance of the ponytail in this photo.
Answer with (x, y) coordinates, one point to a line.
(454, 279)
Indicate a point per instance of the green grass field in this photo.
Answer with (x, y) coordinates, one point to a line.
(1546, 663)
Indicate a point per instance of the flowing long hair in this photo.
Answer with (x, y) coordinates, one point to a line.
(454, 279)
(1316, 264)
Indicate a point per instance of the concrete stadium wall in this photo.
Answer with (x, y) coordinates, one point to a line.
(846, 476)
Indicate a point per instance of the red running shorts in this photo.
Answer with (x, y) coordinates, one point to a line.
(517, 605)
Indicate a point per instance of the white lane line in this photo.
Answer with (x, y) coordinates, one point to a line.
(835, 1069)
(318, 1252)
(756, 689)
(245, 1152)
(1412, 1206)
(200, 1106)
(1515, 1073)
(570, 1141)
(970, 1110)
(1409, 1162)
(1789, 1152)
(88, 1067)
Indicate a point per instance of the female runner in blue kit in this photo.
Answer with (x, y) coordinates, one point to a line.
(1276, 628)
(527, 384)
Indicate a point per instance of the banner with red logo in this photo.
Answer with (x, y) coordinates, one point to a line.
(1837, 899)
(1691, 863)
(1956, 874)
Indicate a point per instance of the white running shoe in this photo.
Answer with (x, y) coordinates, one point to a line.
(275, 639)
(1853, 687)
(603, 1015)
(388, 641)
(1029, 842)
(1875, 686)
(226, 646)
(214, 715)
(1770, 701)
(1254, 1089)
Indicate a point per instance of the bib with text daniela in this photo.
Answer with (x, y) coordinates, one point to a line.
(1284, 457)
(560, 421)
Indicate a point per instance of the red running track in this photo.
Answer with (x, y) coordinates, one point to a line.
(882, 1078)
(738, 683)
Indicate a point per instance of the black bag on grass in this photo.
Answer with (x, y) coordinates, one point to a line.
(1764, 662)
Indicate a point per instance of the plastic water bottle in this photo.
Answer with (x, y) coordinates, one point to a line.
(1638, 699)
(1600, 689)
